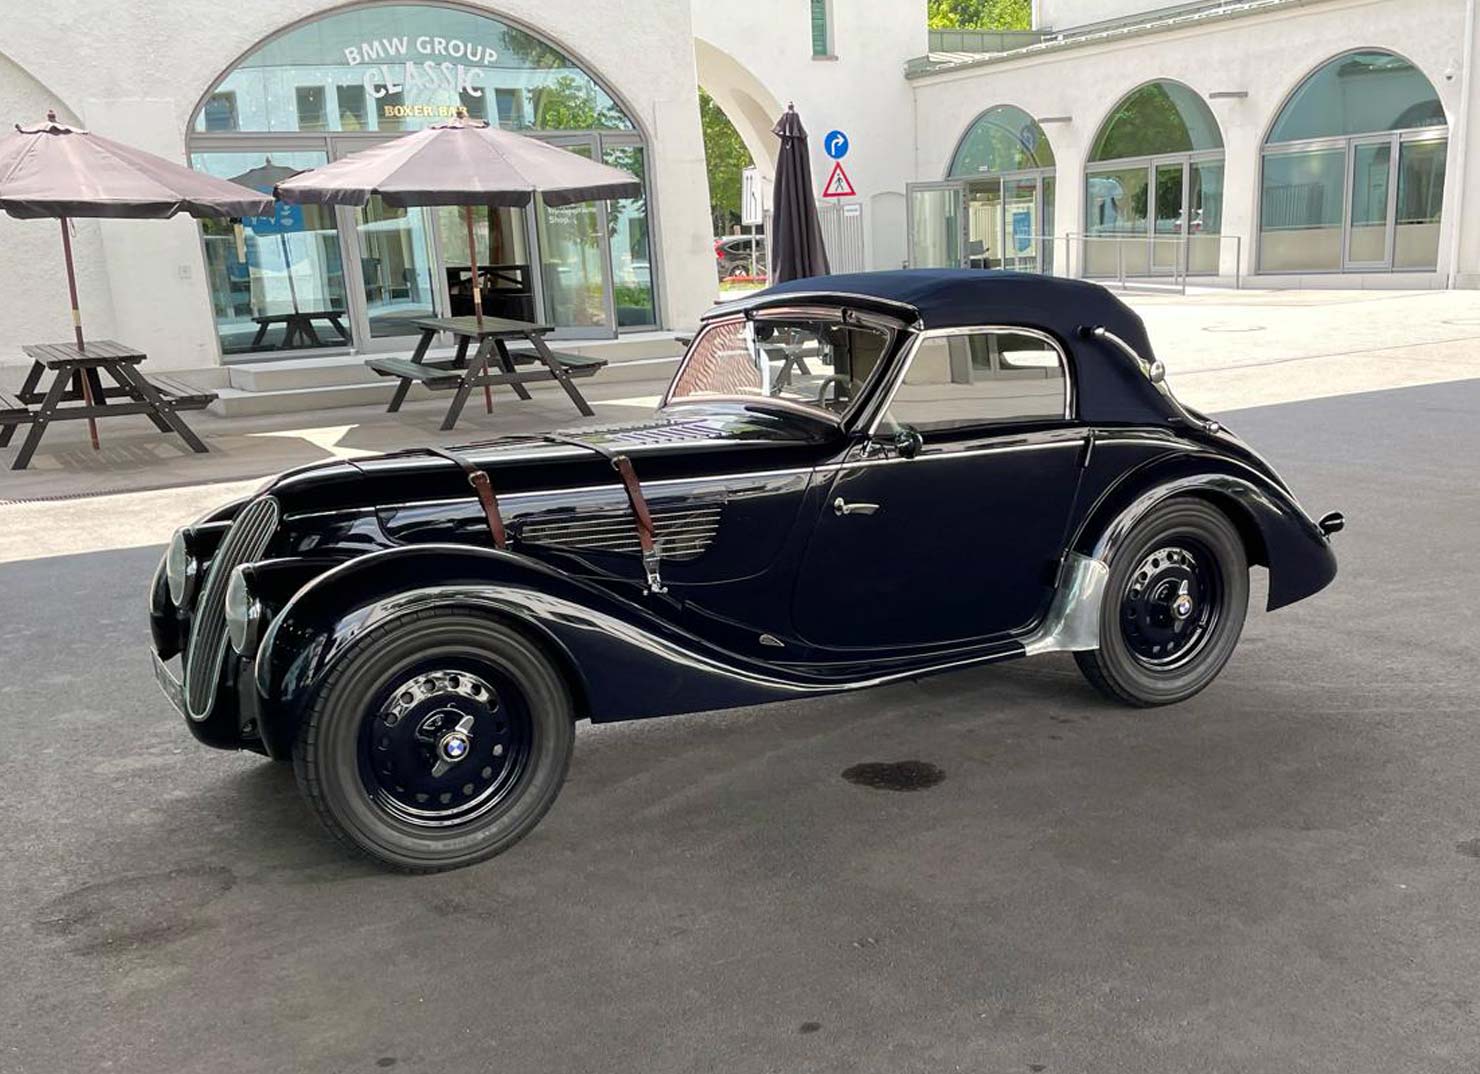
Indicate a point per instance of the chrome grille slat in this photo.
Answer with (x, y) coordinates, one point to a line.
(682, 533)
(244, 542)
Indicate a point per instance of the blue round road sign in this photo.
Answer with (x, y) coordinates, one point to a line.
(835, 144)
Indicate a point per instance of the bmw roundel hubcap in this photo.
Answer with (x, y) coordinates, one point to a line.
(445, 746)
(1170, 605)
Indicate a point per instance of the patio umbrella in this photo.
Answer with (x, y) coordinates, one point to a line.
(53, 170)
(463, 162)
(796, 246)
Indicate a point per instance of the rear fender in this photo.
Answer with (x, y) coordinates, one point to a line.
(1277, 533)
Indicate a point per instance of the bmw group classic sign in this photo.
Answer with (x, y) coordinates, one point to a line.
(835, 144)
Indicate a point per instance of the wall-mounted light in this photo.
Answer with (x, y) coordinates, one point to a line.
(1228, 95)
(1053, 119)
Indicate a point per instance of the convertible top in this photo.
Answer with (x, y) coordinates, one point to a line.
(1110, 388)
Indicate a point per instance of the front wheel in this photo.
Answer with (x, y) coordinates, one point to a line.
(438, 740)
(1174, 606)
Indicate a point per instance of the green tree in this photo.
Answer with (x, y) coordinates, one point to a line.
(981, 14)
(725, 157)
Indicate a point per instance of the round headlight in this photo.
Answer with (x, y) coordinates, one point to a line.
(243, 614)
(177, 568)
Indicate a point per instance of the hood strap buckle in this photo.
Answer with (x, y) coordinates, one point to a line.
(646, 533)
(483, 486)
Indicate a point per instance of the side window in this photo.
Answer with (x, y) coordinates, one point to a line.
(970, 379)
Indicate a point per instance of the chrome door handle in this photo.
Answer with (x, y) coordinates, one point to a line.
(843, 507)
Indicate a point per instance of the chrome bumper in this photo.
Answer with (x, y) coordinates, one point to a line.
(169, 684)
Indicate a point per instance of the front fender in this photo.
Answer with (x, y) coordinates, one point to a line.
(621, 658)
(1276, 530)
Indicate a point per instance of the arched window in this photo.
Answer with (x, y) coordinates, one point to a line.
(1154, 186)
(346, 80)
(1353, 170)
(1007, 168)
(1002, 139)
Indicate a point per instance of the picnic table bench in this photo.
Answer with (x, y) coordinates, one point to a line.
(299, 324)
(493, 362)
(161, 398)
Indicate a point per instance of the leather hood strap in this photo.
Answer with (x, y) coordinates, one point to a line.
(483, 486)
(646, 533)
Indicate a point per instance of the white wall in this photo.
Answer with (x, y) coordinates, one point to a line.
(762, 52)
(1064, 14)
(1265, 56)
(142, 78)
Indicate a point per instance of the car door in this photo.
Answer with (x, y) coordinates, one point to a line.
(954, 537)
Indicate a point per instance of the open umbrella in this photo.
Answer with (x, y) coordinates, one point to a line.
(796, 246)
(462, 162)
(52, 170)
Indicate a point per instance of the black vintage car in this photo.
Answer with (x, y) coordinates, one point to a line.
(851, 480)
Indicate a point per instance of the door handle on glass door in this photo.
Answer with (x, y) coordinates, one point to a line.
(843, 507)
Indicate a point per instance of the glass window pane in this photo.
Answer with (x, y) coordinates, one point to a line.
(935, 227)
(1300, 210)
(1420, 197)
(573, 260)
(1003, 139)
(404, 67)
(1020, 221)
(1360, 93)
(963, 381)
(1160, 117)
(278, 282)
(503, 261)
(1050, 191)
(1116, 222)
(627, 224)
(819, 28)
(1367, 240)
(396, 264)
(984, 225)
(1205, 204)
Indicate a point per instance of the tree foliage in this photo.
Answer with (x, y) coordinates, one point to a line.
(726, 157)
(981, 14)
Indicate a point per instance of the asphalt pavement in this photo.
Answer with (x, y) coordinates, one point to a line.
(1281, 874)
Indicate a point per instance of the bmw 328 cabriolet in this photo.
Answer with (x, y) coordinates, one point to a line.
(850, 480)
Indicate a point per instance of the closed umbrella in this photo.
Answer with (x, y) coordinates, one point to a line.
(53, 170)
(463, 162)
(796, 245)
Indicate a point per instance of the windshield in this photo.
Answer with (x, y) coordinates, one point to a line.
(815, 361)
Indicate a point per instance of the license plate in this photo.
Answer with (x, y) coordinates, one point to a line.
(169, 684)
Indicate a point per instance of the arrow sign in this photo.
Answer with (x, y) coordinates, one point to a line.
(836, 144)
(838, 184)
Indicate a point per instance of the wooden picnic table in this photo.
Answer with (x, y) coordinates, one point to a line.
(299, 324)
(161, 398)
(490, 364)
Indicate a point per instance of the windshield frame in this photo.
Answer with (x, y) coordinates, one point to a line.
(893, 328)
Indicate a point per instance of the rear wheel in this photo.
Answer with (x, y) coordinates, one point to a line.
(439, 740)
(1174, 606)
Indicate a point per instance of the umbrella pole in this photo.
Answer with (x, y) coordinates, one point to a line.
(81, 374)
(288, 268)
(477, 292)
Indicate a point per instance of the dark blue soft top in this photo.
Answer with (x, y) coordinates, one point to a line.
(1110, 387)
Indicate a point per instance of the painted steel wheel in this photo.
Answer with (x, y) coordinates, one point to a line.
(1174, 606)
(438, 740)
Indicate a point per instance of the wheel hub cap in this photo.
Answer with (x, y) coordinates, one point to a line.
(1169, 605)
(444, 747)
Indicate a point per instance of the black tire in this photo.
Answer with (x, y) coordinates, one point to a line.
(1154, 649)
(440, 675)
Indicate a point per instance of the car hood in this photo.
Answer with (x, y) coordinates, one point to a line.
(678, 442)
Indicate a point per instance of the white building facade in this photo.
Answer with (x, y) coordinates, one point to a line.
(1289, 143)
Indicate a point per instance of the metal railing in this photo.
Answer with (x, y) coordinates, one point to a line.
(982, 40)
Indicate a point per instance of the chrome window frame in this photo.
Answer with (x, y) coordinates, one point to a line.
(887, 399)
(894, 328)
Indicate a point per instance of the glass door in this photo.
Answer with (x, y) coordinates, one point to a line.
(1169, 222)
(505, 274)
(984, 224)
(277, 282)
(935, 221)
(1021, 217)
(575, 260)
(1370, 217)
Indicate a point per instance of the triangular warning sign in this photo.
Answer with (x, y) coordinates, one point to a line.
(838, 184)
